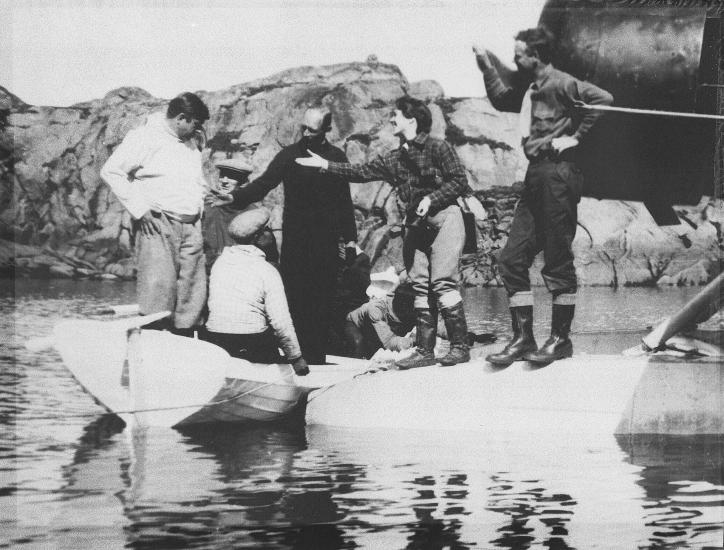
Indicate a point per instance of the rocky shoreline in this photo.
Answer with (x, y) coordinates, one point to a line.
(58, 219)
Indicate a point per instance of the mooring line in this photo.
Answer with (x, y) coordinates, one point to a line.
(158, 409)
(680, 114)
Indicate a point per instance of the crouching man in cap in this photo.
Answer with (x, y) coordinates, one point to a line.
(248, 312)
(156, 174)
(429, 178)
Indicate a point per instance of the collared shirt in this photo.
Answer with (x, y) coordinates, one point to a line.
(153, 169)
(246, 296)
(423, 166)
(551, 112)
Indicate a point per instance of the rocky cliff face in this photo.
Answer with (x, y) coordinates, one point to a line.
(57, 217)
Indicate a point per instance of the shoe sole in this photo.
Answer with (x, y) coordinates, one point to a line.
(549, 361)
(415, 367)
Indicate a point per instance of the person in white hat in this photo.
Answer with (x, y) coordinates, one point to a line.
(248, 312)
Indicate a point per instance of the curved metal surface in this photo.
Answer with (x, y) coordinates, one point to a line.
(650, 55)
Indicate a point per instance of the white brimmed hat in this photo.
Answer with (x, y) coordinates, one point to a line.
(383, 283)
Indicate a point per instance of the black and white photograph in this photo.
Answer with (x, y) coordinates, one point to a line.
(375, 274)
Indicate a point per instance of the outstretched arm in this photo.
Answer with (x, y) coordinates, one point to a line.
(258, 189)
(375, 170)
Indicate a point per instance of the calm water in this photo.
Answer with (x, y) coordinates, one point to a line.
(74, 479)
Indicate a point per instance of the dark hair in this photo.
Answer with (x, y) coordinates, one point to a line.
(414, 108)
(189, 105)
(539, 42)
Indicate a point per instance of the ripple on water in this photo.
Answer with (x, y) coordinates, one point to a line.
(70, 475)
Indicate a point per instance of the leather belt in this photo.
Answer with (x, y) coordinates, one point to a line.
(181, 218)
(568, 155)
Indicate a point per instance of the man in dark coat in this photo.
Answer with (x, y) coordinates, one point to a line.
(318, 213)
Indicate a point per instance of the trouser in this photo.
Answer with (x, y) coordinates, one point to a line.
(545, 219)
(433, 271)
(308, 268)
(257, 348)
(361, 340)
(171, 271)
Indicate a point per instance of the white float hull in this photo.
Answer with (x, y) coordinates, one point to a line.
(157, 379)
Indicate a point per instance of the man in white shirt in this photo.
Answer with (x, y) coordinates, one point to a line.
(156, 174)
(248, 311)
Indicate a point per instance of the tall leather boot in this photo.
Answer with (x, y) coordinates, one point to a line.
(558, 345)
(523, 340)
(457, 334)
(423, 356)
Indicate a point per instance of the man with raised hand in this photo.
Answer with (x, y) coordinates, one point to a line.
(429, 178)
(318, 213)
(156, 174)
(546, 215)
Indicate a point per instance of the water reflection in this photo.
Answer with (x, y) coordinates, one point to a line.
(683, 481)
(69, 482)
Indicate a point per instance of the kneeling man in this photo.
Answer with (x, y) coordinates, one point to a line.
(248, 311)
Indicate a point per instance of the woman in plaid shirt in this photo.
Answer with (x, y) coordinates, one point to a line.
(428, 177)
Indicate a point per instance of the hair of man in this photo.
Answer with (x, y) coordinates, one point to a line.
(190, 105)
(414, 108)
(540, 42)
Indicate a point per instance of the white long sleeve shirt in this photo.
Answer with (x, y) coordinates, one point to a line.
(246, 296)
(152, 169)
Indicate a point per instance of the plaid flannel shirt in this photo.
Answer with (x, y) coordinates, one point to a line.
(246, 296)
(422, 167)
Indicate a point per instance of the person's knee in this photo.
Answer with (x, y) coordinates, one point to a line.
(450, 299)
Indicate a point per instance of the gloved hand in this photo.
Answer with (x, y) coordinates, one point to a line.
(350, 255)
(300, 367)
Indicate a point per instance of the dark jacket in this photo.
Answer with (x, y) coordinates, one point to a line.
(309, 196)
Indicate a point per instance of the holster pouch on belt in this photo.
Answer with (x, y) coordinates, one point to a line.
(421, 231)
(471, 228)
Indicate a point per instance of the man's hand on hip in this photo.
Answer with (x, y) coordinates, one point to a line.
(562, 143)
(149, 224)
(423, 207)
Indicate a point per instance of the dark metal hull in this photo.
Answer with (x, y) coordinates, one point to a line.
(651, 55)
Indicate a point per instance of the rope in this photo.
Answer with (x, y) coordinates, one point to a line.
(582, 105)
(156, 409)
